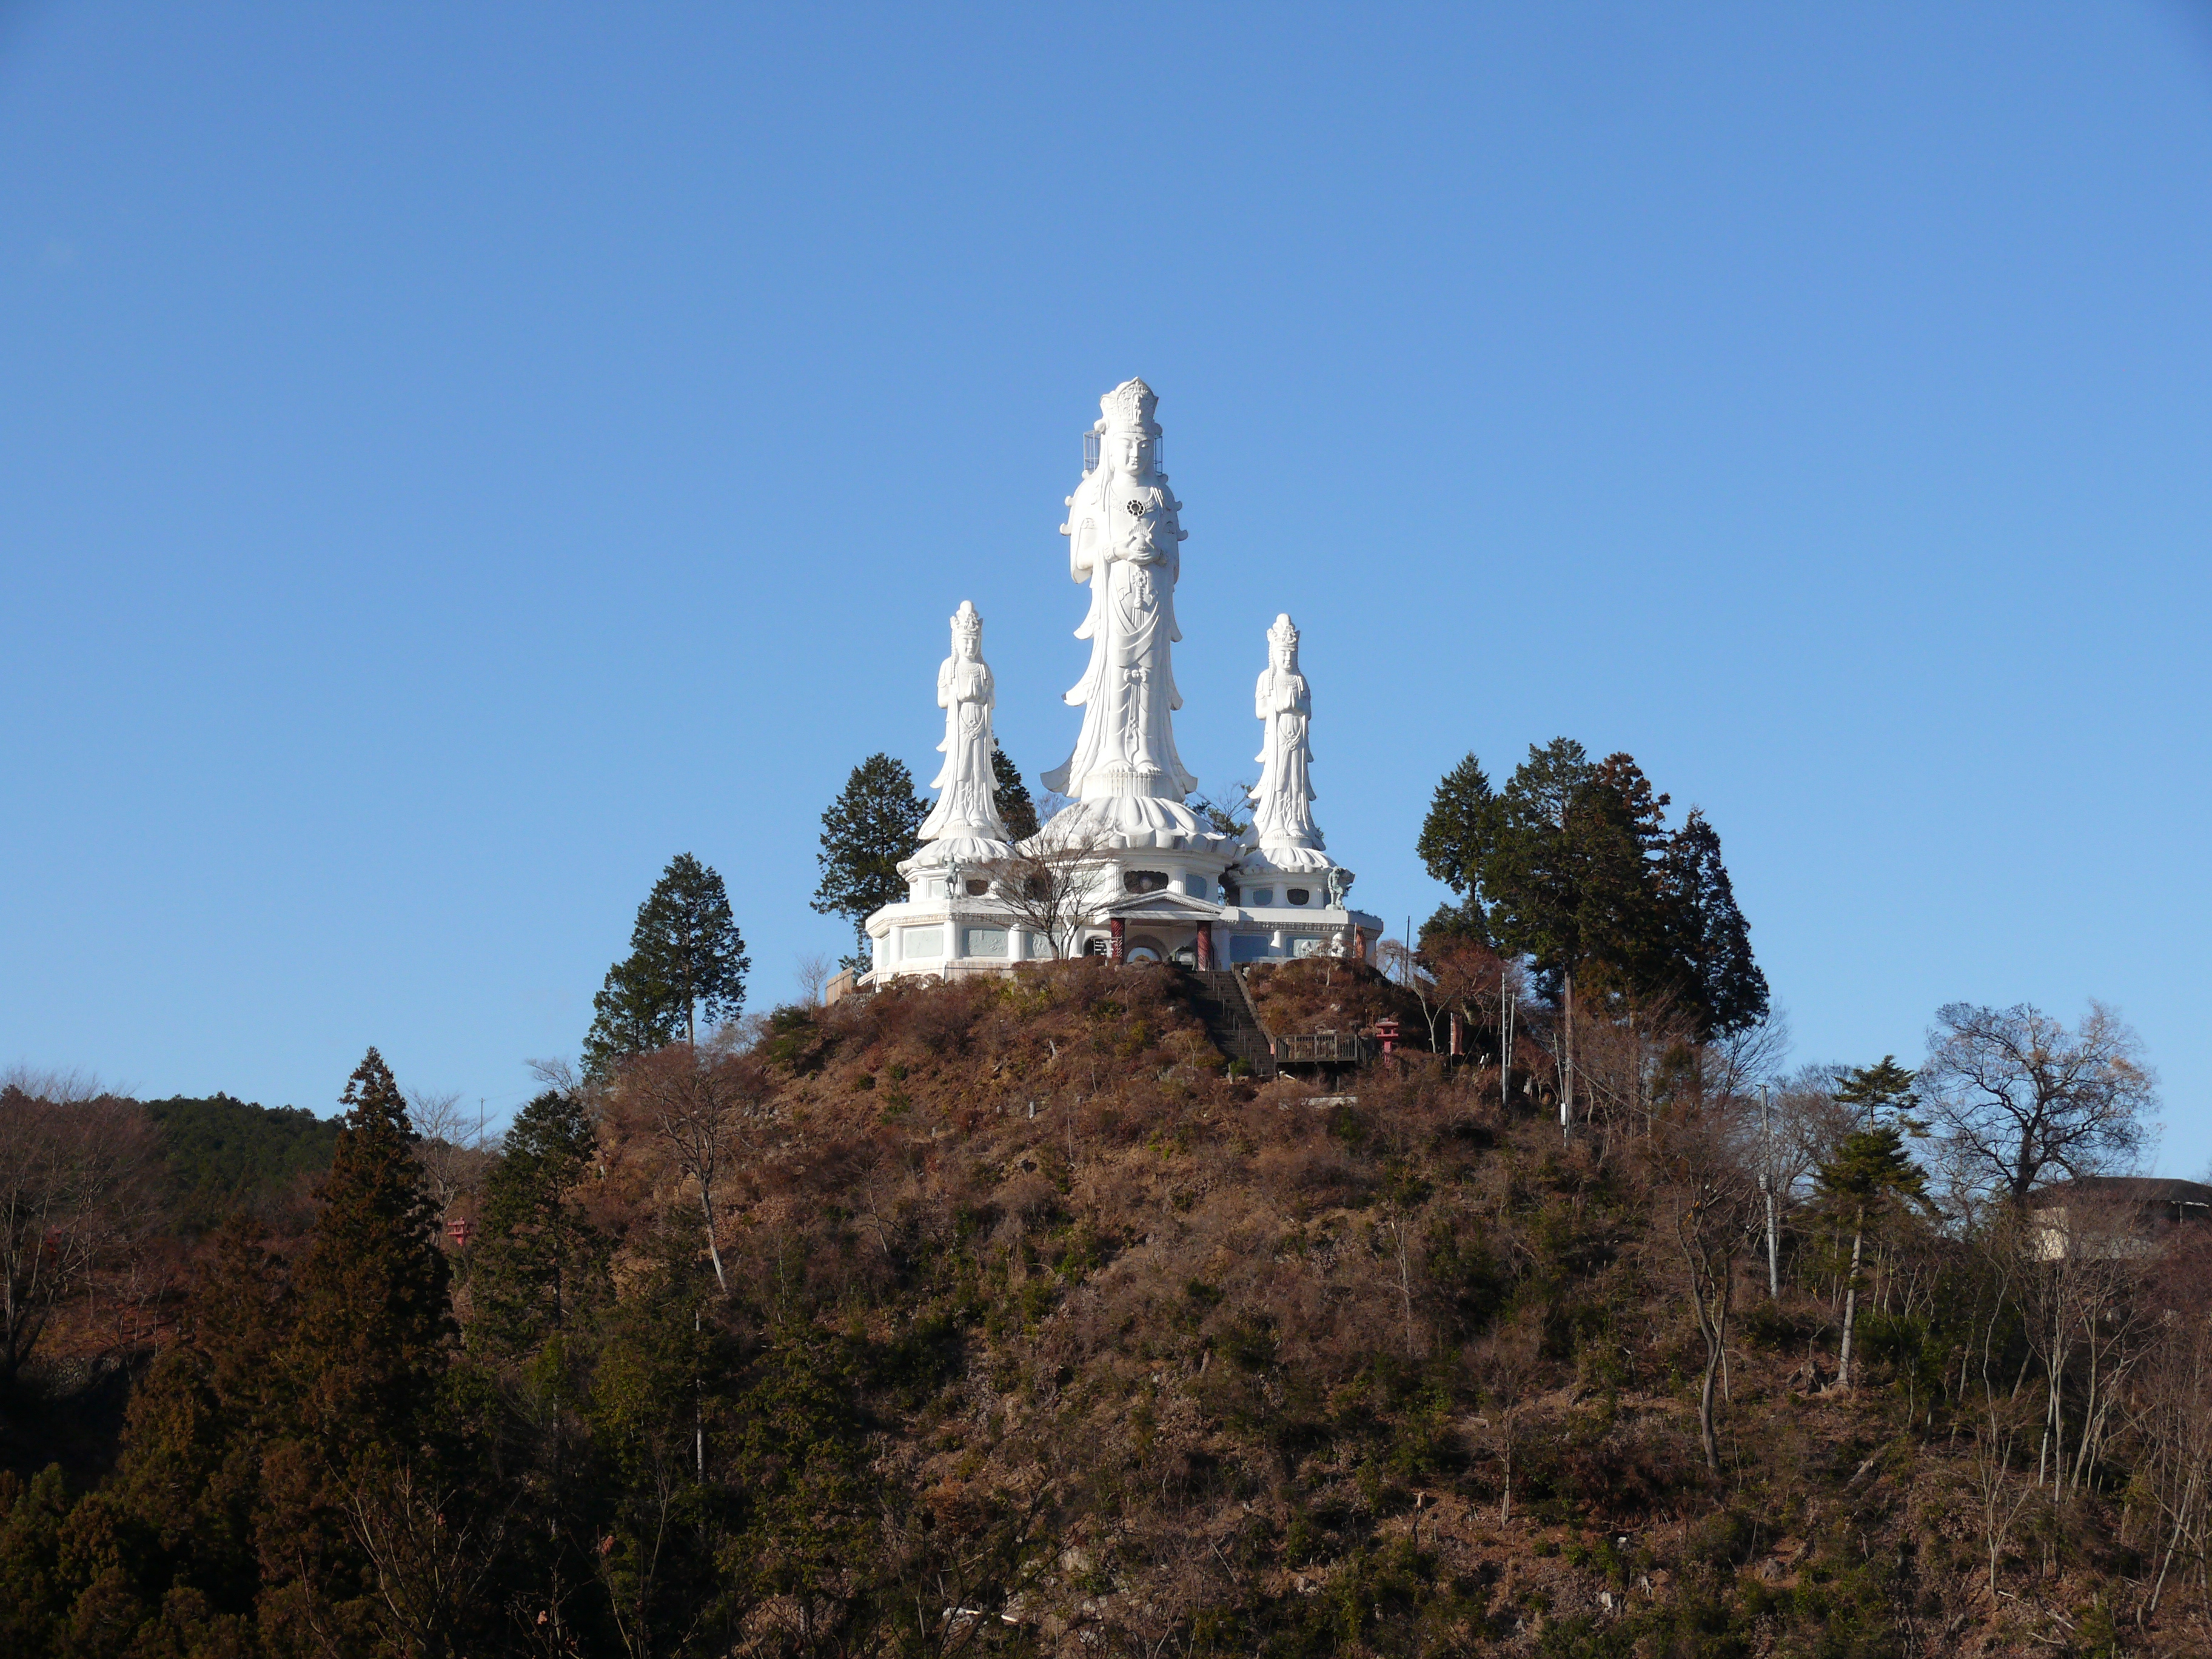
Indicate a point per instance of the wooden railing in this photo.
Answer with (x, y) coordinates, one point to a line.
(1324, 1049)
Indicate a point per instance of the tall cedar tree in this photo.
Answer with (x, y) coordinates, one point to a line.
(1711, 948)
(369, 1342)
(1012, 797)
(1567, 870)
(1571, 866)
(360, 1377)
(538, 1261)
(872, 827)
(1461, 823)
(687, 959)
(691, 944)
(632, 1014)
(537, 1281)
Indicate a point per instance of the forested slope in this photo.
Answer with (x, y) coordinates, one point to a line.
(996, 1317)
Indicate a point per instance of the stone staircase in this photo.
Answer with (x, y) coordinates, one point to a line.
(1230, 1020)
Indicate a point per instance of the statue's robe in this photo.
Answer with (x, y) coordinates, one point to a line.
(1124, 539)
(1282, 801)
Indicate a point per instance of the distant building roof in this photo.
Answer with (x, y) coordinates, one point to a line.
(2121, 1189)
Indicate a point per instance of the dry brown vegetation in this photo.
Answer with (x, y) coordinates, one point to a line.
(997, 1316)
(1214, 1367)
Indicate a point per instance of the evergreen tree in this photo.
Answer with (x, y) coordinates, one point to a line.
(1876, 1093)
(537, 1279)
(1012, 797)
(355, 1451)
(537, 1259)
(633, 1014)
(872, 826)
(190, 1472)
(369, 1341)
(686, 958)
(1614, 842)
(1871, 1172)
(35, 1592)
(1458, 834)
(659, 1414)
(1564, 872)
(687, 943)
(1711, 947)
(1571, 866)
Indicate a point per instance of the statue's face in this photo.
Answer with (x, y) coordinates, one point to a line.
(1134, 446)
(1283, 654)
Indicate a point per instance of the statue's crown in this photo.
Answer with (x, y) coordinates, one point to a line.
(967, 622)
(1128, 408)
(1284, 632)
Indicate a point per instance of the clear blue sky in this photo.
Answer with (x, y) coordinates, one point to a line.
(454, 457)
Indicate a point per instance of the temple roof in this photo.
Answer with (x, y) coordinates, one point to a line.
(2120, 1189)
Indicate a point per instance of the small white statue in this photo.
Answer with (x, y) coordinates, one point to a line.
(1124, 541)
(1282, 826)
(965, 825)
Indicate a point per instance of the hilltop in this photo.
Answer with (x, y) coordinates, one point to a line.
(1029, 1328)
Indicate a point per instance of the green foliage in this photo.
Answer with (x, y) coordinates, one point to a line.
(537, 1259)
(1571, 866)
(34, 1592)
(686, 941)
(223, 1154)
(1012, 797)
(871, 828)
(1870, 1173)
(1873, 1092)
(687, 960)
(1871, 1166)
(1460, 831)
(369, 1341)
(1710, 941)
(632, 1014)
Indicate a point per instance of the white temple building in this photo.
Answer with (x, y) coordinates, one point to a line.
(1125, 870)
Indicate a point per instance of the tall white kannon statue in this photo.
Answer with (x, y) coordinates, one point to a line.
(965, 825)
(1283, 831)
(1124, 540)
(1133, 873)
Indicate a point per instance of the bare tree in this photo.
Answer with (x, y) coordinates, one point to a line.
(1742, 1061)
(2083, 1319)
(1999, 1495)
(695, 1103)
(450, 1145)
(1618, 1059)
(428, 1564)
(1406, 966)
(814, 972)
(2173, 1428)
(1711, 1200)
(73, 1168)
(1506, 1364)
(1052, 883)
(2015, 1093)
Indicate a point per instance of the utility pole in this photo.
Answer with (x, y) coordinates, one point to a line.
(1766, 1187)
(1505, 1049)
(1567, 1067)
